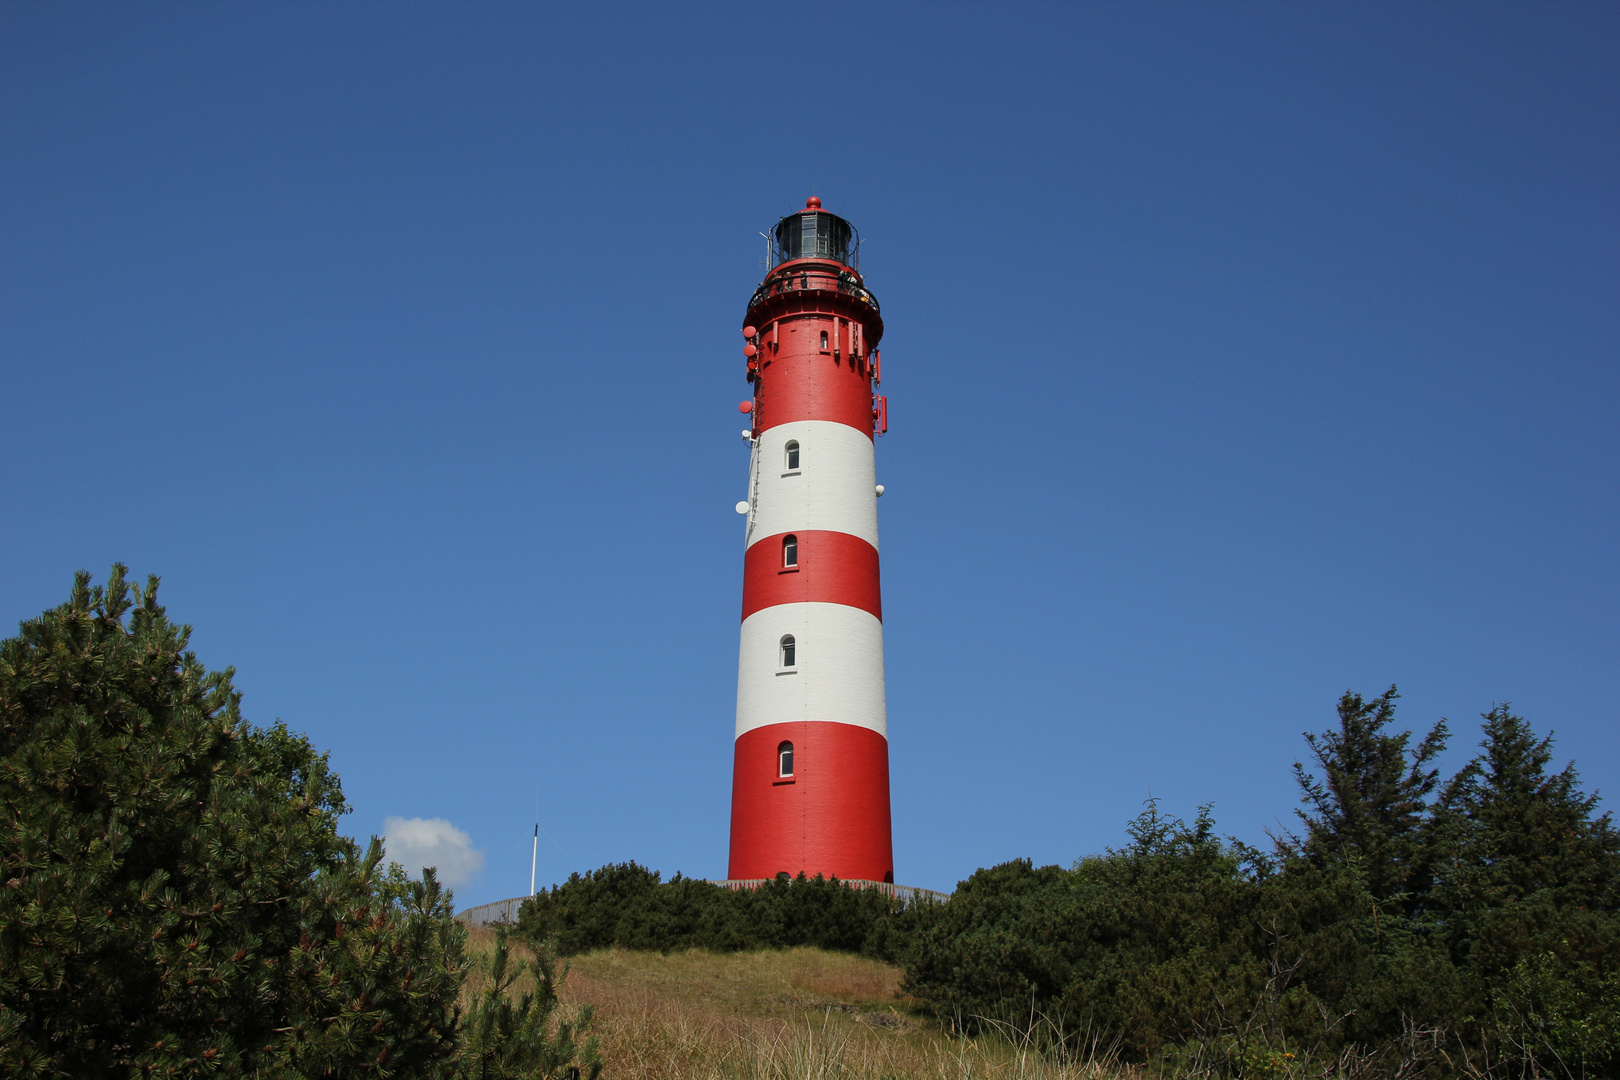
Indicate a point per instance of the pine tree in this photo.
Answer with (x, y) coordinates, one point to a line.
(175, 898)
(1515, 831)
(1370, 803)
(512, 1037)
(1527, 897)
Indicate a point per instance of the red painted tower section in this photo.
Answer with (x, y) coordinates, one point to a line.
(810, 782)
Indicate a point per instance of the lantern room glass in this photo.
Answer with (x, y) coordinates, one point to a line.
(814, 234)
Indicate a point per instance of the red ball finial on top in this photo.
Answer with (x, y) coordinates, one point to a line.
(812, 203)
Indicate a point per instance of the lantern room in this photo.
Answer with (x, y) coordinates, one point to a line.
(813, 233)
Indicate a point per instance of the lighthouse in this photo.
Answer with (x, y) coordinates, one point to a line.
(810, 775)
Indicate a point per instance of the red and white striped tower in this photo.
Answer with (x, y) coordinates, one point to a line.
(810, 782)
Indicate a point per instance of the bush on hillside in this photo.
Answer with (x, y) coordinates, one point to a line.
(1145, 944)
(176, 898)
(630, 906)
(1474, 933)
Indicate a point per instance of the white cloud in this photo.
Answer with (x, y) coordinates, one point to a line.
(418, 842)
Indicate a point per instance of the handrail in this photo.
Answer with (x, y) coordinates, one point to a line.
(781, 284)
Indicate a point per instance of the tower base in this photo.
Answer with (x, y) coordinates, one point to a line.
(831, 817)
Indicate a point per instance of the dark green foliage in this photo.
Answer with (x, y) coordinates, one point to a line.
(1556, 1013)
(1153, 944)
(629, 906)
(1478, 934)
(1512, 832)
(1528, 894)
(176, 894)
(1370, 803)
(175, 898)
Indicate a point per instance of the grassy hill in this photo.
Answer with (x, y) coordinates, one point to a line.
(801, 1013)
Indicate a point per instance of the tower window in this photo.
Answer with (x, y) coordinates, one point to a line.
(784, 760)
(790, 651)
(793, 455)
(790, 550)
(824, 341)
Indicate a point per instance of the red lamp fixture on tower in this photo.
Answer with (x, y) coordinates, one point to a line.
(810, 780)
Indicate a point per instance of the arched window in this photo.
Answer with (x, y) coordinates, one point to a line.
(790, 550)
(784, 760)
(790, 650)
(792, 454)
(824, 341)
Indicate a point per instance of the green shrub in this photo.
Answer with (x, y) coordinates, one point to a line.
(630, 906)
(1474, 933)
(1150, 945)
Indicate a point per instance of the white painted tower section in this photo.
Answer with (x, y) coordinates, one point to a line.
(837, 675)
(834, 488)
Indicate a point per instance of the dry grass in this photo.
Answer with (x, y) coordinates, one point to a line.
(798, 1014)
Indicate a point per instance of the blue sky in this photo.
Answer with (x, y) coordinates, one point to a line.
(1237, 355)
